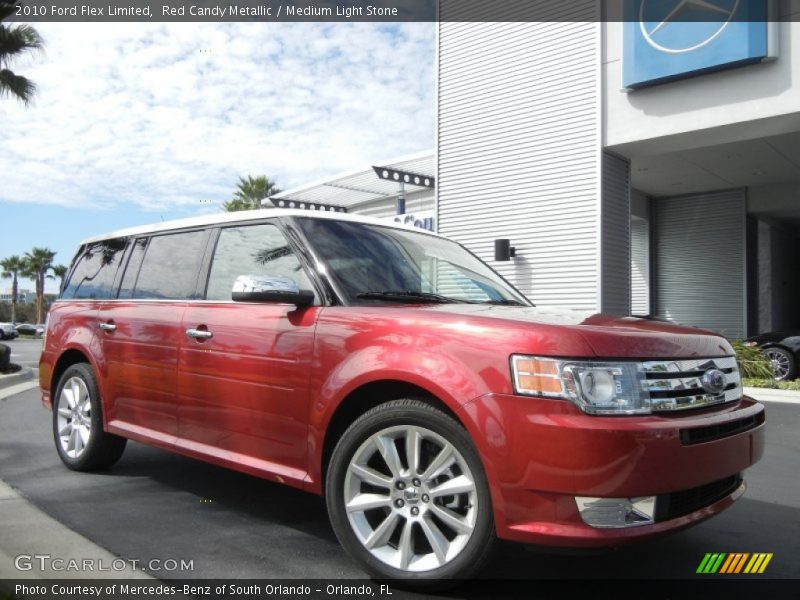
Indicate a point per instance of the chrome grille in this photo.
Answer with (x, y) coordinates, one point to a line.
(678, 384)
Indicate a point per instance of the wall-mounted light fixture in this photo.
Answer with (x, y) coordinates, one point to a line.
(503, 250)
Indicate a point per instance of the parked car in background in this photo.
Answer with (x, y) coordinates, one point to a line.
(7, 331)
(28, 329)
(391, 371)
(782, 348)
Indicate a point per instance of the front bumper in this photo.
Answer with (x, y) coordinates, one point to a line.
(539, 454)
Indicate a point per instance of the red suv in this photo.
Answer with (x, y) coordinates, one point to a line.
(392, 371)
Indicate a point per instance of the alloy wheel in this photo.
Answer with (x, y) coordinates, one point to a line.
(74, 417)
(410, 498)
(780, 363)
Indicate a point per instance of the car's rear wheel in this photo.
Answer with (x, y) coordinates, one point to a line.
(78, 423)
(407, 495)
(784, 365)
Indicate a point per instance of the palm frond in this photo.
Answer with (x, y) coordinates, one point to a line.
(15, 40)
(16, 85)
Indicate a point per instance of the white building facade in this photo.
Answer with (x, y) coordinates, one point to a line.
(645, 167)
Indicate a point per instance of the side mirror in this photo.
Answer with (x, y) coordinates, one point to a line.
(267, 288)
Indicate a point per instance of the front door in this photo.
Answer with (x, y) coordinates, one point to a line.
(244, 368)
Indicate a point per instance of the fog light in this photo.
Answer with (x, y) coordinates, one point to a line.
(617, 512)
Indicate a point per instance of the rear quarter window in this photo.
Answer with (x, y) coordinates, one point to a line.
(92, 277)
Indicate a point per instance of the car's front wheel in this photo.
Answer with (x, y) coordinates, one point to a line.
(78, 423)
(407, 495)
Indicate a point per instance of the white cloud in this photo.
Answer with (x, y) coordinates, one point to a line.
(136, 113)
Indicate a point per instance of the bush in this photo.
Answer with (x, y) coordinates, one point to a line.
(771, 384)
(752, 362)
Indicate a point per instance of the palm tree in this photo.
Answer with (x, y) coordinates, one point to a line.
(250, 192)
(12, 267)
(59, 271)
(14, 41)
(37, 263)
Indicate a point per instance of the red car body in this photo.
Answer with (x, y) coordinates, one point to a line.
(270, 393)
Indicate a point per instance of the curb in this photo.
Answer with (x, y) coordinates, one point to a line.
(773, 395)
(25, 374)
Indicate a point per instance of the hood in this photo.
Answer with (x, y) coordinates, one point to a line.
(607, 336)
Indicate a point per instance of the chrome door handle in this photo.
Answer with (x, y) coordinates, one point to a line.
(108, 327)
(199, 334)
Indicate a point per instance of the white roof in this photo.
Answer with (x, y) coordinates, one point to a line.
(248, 215)
(356, 187)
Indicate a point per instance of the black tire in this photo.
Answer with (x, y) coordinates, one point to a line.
(419, 416)
(102, 449)
(787, 361)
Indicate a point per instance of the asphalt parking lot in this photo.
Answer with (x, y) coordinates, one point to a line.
(155, 504)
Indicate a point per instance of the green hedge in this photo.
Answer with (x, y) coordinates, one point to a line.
(771, 384)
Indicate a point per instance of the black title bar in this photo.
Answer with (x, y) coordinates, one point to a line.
(267, 11)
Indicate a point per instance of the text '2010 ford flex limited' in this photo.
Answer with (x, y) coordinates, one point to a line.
(392, 371)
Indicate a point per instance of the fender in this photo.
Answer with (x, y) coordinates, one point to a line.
(438, 373)
(83, 339)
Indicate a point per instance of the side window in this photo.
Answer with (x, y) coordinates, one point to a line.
(170, 266)
(252, 250)
(132, 270)
(95, 268)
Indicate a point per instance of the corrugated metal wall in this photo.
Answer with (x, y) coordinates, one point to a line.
(615, 241)
(519, 149)
(640, 266)
(700, 261)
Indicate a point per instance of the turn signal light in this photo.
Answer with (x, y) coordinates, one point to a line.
(537, 376)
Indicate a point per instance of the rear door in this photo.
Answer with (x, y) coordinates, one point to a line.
(141, 331)
(244, 380)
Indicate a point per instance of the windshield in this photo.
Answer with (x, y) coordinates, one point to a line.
(371, 264)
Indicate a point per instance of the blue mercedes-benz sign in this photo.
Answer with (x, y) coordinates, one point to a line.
(666, 40)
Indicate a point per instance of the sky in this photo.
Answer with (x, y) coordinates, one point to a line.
(135, 123)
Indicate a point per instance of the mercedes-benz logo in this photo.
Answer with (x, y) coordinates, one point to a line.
(713, 381)
(655, 34)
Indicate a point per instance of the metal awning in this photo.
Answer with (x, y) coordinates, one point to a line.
(346, 190)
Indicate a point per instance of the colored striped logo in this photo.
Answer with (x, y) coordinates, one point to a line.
(734, 563)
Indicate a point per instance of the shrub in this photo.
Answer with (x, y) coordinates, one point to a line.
(752, 362)
(771, 384)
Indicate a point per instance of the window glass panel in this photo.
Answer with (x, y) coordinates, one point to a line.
(93, 276)
(367, 258)
(252, 250)
(132, 270)
(170, 267)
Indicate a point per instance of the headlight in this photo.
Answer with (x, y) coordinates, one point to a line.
(600, 388)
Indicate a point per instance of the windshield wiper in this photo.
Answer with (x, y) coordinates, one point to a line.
(505, 302)
(409, 296)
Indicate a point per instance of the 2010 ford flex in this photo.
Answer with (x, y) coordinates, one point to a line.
(392, 371)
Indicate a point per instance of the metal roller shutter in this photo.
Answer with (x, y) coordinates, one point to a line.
(700, 261)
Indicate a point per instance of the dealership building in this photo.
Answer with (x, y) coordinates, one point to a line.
(650, 166)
